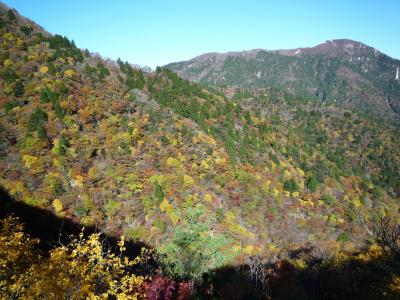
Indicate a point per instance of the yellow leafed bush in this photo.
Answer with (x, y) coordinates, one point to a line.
(79, 270)
(43, 69)
(69, 73)
(188, 180)
(57, 204)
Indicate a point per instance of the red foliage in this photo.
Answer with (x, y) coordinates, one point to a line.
(236, 198)
(160, 288)
(165, 288)
(184, 291)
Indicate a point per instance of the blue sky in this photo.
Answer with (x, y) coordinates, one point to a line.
(151, 32)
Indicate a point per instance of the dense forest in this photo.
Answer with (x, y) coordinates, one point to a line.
(261, 195)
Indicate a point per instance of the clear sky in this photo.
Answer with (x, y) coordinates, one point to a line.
(151, 32)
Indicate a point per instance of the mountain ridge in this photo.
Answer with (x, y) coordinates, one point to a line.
(342, 71)
(290, 51)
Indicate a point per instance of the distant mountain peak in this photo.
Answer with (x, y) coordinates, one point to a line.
(343, 71)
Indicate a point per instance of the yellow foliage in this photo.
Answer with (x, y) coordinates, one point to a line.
(395, 284)
(295, 194)
(135, 132)
(173, 162)
(71, 60)
(350, 137)
(20, 44)
(356, 202)
(299, 263)
(188, 180)
(58, 206)
(8, 62)
(57, 162)
(15, 187)
(236, 248)
(272, 247)
(235, 227)
(69, 73)
(206, 139)
(43, 69)
(220, 160)
(160, 179)
(56, 146)
(9, 36)
(265, 186)
(204, 164)
(174, 142)
(133, 183)
(121, 137)
(28, 199)
(29, 160)
(32, 56)
(249, 250)
(301, 172)
(93, 172)
(78, 182)
(166, 207)
(181, 157)
(208, 197)
(306, 203)
(79, 270)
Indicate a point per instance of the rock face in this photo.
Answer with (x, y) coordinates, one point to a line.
(345, 72)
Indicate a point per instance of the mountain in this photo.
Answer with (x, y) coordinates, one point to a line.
(344, 72)
(207, 181)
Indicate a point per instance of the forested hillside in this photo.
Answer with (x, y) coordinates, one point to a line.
(205, 180)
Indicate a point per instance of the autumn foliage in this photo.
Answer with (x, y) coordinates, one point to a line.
(206, 179)
(81, 269)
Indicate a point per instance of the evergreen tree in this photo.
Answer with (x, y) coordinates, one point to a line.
(19, 89)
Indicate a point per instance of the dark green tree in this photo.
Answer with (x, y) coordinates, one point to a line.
(35, 123)
(11, 15)
(19, 89)
(312, 183)
(290, 185)
(158, 192)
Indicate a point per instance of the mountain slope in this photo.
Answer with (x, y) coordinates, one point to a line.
(345, 72)
(207, 180)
